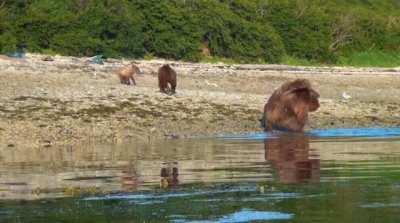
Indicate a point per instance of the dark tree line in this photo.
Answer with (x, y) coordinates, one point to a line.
(243, 30)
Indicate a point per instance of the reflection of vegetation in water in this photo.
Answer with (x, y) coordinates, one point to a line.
(342, 201)
(357, 181)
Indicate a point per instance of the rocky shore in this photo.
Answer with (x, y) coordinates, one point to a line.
(70, 100)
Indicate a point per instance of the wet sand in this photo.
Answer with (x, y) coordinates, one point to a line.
(69, 100)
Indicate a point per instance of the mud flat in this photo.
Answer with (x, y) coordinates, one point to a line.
(70, 100)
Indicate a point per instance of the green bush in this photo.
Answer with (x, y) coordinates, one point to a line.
(304, 28)
(232, 36)
(371, 59)
(79, 43)
(114, 28)
(262, 31)
(8, 41)
(41, 20)
(170, 32)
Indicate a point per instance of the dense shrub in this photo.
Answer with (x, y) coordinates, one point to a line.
(170, 30)
(8, 41)
(242, 30)
(232, 36)
(304, 28)
(114, 28)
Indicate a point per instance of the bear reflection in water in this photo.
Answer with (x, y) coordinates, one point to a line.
(290, 156)
(129, 178)
(169, 177)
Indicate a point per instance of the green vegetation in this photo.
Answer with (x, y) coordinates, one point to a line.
(344, 32)
(371, 59)
(290, 60)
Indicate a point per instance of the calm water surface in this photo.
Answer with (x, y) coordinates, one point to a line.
(324, 176)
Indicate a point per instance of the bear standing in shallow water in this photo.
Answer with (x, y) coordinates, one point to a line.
(288, 107)
(166, 75)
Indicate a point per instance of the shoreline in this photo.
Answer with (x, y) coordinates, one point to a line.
(70, 101)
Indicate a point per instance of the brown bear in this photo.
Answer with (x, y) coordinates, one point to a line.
(288, 107)
(166, 75)
(127, 74)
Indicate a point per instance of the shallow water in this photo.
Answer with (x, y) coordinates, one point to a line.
(340, 175)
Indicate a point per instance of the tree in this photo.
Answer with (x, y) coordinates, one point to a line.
(8, 41)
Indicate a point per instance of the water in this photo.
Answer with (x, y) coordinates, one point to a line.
(341, 175)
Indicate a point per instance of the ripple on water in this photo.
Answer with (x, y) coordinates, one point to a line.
(380, 205)
(340, 174)
(244, 215)
(170, 195)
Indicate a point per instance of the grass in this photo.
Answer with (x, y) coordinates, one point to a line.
(357, 59)
(371, 59)
(294, 61)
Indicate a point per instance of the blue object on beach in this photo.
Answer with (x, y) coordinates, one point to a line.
(98, 59)
(356, 132)
(325, 133)
(16, 54)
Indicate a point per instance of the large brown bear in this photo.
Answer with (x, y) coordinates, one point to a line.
(127, 74)
(166, 75)
(288, 107)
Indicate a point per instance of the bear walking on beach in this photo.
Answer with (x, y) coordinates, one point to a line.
(288, 107)
(167, 76)
(127, 74)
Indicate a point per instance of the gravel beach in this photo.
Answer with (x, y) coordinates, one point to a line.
(70, 100)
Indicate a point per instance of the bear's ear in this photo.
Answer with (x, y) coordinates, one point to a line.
(314, 94)
(292, 96)
(296, 85)
(297, 90)
(300, 101)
